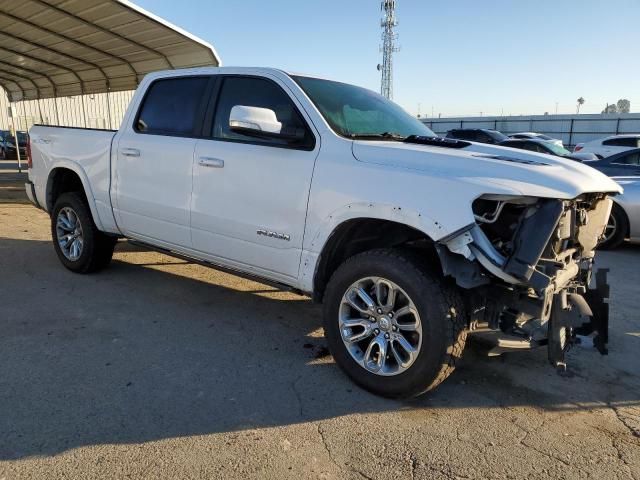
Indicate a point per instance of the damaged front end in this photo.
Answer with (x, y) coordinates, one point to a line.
(527, 264)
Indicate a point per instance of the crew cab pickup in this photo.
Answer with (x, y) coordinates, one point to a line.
(411, 241)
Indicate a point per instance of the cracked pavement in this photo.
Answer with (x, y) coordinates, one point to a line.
(159, 368)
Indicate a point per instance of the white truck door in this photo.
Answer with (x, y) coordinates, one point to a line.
(250, 191)
(153, 174)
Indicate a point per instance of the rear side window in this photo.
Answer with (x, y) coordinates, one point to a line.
(632, 159)
(621, 142)
(171, 106)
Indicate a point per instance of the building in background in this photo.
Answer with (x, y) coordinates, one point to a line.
(571, 129)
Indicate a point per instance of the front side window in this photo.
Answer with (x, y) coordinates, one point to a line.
(354, 112)
(261, 93)
(171, 106)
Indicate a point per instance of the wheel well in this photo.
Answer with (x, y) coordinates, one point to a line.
(62, 180)
(363, 234)
(619, 207)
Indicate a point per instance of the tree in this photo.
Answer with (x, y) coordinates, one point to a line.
(624, 105)
(610, 108)
(580, 103)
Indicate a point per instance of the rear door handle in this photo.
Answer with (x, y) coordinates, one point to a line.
(130, 152)
(211, 162)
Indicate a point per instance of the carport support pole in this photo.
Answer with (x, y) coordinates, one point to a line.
(55, 102)
(15, 131)
(109, 109)
(84, 114)
(26, 128)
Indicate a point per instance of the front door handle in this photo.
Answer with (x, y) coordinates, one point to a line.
(130, 152)
(211, 162)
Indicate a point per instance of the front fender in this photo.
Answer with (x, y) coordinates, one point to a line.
(363, 210)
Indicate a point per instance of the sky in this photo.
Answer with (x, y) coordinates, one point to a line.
(462, 57)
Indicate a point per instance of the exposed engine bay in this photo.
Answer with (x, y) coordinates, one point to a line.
(528, 263)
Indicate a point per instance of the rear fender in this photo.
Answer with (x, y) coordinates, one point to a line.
(86, 185)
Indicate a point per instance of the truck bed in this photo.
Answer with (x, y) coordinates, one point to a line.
(87, 151)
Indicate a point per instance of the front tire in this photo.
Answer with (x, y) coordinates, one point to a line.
(392, 324)
(616, 230)
(80, 246)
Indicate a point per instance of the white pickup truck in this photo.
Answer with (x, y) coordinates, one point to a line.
(410, 241)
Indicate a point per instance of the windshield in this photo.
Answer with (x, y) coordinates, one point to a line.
(357, 112)
(499, 136)
(558, 150)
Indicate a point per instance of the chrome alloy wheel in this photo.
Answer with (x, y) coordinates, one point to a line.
(69, 233)
(610, 229)
(380, 326)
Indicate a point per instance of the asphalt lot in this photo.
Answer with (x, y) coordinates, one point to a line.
(158, 368)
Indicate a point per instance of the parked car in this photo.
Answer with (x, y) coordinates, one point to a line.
(605, 147)
(336, 192)
(550, 148)
(536, 136)
(621, 164)
(8, 145)
(480, 135)
(624, 222)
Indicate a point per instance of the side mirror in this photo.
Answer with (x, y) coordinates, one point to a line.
(261, 122)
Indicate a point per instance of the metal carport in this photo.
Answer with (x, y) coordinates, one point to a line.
(53, 48)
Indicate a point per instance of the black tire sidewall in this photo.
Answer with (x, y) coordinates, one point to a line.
(89, 232)
(426, 292)
(622, 226)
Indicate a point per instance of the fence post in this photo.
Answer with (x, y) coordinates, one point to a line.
(461, 123)
(618, 126)
(571, 133)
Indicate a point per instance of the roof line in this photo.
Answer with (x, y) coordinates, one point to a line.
(33, 72)
(171, 26)
(58, 52)
(44, 62)
(23, 78)
(7, 90)
(104, 30)
(69, 39)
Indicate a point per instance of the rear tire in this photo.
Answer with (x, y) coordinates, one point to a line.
(439, 314)
(617, 228)
(80, 246)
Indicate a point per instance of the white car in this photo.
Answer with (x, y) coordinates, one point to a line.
(331, 190)
(605, 147)
(536, 136)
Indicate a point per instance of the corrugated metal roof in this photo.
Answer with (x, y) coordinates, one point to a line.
(54, 48)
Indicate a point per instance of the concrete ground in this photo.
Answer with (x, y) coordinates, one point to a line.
(158, 368)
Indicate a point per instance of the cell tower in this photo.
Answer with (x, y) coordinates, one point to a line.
(389, 37)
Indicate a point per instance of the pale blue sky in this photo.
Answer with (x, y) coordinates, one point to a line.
(458, 57)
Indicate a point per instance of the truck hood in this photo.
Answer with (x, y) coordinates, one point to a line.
(506, 169)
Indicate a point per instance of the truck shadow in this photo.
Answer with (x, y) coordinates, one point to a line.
(154, 348)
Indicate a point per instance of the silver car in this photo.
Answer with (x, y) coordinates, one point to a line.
(625, 216)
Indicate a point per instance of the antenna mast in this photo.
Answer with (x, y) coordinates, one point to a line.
(389, 37)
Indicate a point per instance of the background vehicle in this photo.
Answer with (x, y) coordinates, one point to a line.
(621, 164)
(336, 192)
(477, 135)
(536, 136)
(605, 147)
(8, 145)
(624, 222)
(550, 148)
